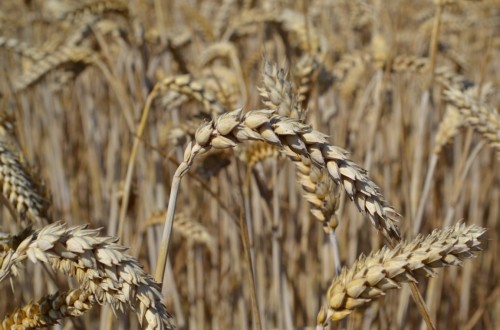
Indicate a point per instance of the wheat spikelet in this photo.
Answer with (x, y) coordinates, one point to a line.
(370, 277)
(484, 118)
(297, 139)
(98, 264)
(64, 55)
(49, 310)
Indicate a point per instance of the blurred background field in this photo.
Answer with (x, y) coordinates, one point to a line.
(74, 80)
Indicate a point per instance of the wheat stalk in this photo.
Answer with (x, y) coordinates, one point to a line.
(370, 277)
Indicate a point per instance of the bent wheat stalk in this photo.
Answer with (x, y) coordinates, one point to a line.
(370, 277)
(293, 138)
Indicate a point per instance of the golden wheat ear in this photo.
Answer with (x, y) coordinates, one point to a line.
(21, 192)
(371, 277)
(100, 266)
(295, 139)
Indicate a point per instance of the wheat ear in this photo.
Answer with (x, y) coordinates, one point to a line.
(187, 85)
(49, 310)
(18, 187)
(294, 139)
(21, 48)
(370, 277)
(484, 118)
(63, 55)
(318, 186)
(94, 8)
(98, 264)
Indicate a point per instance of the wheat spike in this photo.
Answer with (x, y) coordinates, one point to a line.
(349, 68)
(21, 48)
(49, 310)
(484, 118)
(443, 74)
(255, 152)
(302, 35)
(98, 264)
(370, 277)
(63, 55)
(94, 8)
(317, 184)
(305, 70)
(187, 85)
(18, 187)
(319, 191)
(277, 92)
(298, 139)
(448, 127)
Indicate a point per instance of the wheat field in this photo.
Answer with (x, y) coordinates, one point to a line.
(249, 164)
